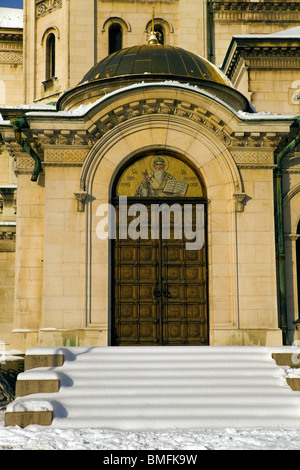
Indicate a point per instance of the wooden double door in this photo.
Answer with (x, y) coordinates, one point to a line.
(159, 294)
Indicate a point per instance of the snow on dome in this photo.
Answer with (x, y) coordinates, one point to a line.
(11, 18)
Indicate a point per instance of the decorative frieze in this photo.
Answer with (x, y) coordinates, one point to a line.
(263, 57)
(23, 165)
(61, 137)
(46, 6)
(253, 159)
(7, 241)
(65, 157)
(11, 57)
(162, 107)
(255, 11)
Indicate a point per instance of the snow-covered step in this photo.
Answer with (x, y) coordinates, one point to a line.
(146, 388)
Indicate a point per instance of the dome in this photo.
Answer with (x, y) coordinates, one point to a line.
(155, 60)
(152, 63)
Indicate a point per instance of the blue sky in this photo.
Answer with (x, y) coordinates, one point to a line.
(11, 3)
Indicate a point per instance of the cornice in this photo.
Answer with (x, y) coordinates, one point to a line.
(236, 5)
(264, 56)
(11, 36)
(255, 11)
(69, 141)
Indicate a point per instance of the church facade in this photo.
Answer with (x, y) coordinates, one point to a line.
(149, 197)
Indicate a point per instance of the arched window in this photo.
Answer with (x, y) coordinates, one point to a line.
(50, 56)
(158, 28)
(115, 38)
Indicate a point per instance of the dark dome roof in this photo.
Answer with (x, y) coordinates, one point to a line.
(155, 60)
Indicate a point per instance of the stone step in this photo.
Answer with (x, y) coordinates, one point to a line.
(286, 359)
(154, 388)
(33, 361)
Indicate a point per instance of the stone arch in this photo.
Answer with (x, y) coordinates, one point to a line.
(116, 19)
(291, 207)
(52, 29)
(109, 23)
(166, 27)
(49, 44)
(191, 112)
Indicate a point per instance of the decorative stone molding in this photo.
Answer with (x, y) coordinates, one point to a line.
(11, 40)
(163, 107)
(81, 198)
(263, 53)
(11, 57)
(65, 157)
(61, 137)
(197, 114)
(269, 140)
(253, 158)
(46, 6)
(293, 237)
(239, 201)
(255, 11)
(23, 165)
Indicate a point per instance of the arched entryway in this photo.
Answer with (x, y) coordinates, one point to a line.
(159, 259)
(298, 266)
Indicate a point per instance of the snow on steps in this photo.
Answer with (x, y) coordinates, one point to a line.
(155, 388)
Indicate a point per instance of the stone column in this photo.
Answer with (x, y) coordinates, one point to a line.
(29, 260)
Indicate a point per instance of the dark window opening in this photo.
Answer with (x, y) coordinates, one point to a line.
(160, 33)
(50, 56)
(115, 38)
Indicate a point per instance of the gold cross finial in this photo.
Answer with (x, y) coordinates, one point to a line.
(152, 37)
(153, 16)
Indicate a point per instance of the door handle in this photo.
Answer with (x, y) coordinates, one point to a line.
(157, 293)
(166, 293)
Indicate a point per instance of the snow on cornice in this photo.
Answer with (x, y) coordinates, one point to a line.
(81, 110)
(11, 18)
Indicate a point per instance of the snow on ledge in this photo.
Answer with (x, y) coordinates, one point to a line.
(29, 405)
(82, 110)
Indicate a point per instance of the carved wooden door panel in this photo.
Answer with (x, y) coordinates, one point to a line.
(185, 294)
(159, 292)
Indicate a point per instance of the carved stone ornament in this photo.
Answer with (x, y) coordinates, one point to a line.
(163, 107)
(46, 6)
(239, 201)
(80, 197)
(293, 237)
(7, 242)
